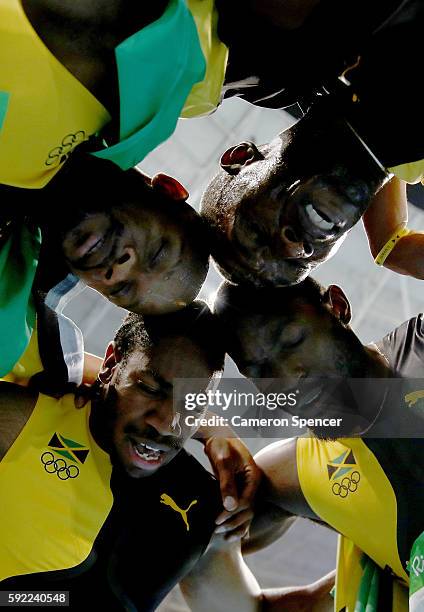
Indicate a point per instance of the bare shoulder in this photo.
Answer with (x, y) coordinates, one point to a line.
(16, 406)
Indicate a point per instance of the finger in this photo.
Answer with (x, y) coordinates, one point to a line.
(227, 484)
(240, 519)
(218, 454)
(252, 481)
(223, 517)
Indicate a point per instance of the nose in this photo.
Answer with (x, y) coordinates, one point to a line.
(161, 418)
(293, 246)
(120, 269)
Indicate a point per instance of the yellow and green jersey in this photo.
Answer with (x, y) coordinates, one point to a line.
(370, 490)
(70, 520)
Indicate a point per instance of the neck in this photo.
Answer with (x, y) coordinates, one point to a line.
(378, 364)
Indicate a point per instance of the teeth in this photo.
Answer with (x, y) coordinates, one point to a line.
(146, 452)
(317, 219)
(147, 456)
(151, 448)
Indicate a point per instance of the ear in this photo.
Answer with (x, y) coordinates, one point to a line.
(111, 360)
(169, 187)
(339, 304)
(236, 158)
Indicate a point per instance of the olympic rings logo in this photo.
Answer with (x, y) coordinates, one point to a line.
(58, 466)
(59, 154)
(348, 484)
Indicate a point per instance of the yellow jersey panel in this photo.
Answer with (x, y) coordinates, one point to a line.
(46, 111)
(28, 365)
(55, 491)
(206, 95)
(345, 485)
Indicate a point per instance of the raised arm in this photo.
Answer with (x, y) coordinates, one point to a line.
(279, 500)
(386, 216)
(238, 477)
(221, 580)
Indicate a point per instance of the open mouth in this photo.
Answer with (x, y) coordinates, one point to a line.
(319, 219)
(146, 456)
(146, 452)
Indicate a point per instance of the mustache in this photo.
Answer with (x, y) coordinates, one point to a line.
(150, 433)
(105, 416)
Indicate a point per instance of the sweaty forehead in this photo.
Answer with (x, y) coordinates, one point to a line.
(261, 305)
(256, 333)
(178, 357)
(262, 174)
(273, 317)
(137, 360)
(226, 191)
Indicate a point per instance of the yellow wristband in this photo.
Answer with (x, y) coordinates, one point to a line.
(399, 233)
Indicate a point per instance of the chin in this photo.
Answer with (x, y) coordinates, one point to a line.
(135, 472)
(286, 275)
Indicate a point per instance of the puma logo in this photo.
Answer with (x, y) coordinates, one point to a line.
(413, 397)
(168, 501)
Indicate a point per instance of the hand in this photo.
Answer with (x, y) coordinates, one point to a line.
(311, 598)
(239, 478)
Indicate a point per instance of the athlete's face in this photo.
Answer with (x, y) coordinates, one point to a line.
(281, 210)
(297, 344)
(150, 257)
(146, 430)
(300, 345)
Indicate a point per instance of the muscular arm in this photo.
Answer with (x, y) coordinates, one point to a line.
(16, 405)
(387, 211)
(281, 486)
(222, 581)
(280, 498)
